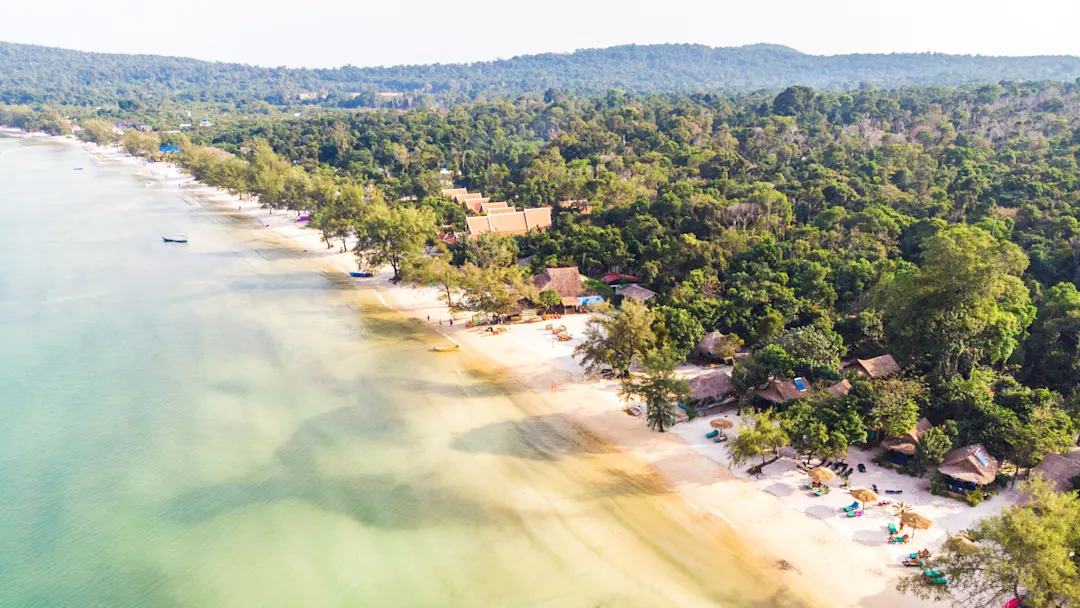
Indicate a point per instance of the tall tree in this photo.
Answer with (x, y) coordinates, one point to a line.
(658, 387)
(759, 435)
(392, 236)
(964, 306)
(616, 338)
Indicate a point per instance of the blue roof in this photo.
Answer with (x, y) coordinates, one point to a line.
(169, 149)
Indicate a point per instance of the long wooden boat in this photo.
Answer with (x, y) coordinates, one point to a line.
(447, 349)
(174, 239)
(361, 275)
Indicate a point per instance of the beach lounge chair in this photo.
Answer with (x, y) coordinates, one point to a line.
(941, 580)
(852, 506)
(720, 439)
(914, 563)
(862, 468)
(899, 539)
(854, 514)
(931, 573)
(893, 530)
(712, 433)
(821, 491)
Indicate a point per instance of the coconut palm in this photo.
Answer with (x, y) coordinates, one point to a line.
(760, 434)
(900, 509)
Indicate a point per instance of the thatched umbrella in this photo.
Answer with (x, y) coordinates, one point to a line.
(821, 474)
(916, 521)
(721, 423)
(961, 544)
(864, 495)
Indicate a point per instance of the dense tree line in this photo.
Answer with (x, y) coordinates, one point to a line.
(941, 225)
(34, 74)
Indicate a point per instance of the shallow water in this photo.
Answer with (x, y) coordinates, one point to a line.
(223, 423)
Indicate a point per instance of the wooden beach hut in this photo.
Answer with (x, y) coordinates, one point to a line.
(902, 448)
(968, 468)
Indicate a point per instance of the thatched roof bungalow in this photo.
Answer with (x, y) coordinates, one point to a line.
(711, 387)
(636, 292)
(1059, 471)
(877, 367)
(906, 443)
(782, 391)
(969, 467)
(564, 281)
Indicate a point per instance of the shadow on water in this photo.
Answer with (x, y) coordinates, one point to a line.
(298, 455)
(384, 501)
(549, 437)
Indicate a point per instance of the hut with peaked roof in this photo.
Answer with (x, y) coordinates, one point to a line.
(707, 347)
(968, 468)
(900, 449)
(564, 281)
(636, 292)
(711, 386)
(840, 389)
(877, 367)
(782, 391)
(708, 391)
(1059, 471)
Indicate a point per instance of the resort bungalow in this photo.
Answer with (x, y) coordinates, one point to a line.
(567, 283)
(782, 391)
(968, 468)
(878, 367)
(1059, 471)
(635, 292)
(509, 224)
(708, 391)
(901, 449)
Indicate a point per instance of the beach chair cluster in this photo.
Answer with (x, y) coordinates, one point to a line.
(935, 577)
(853, 510)
(817, 488)
(560, 332)
(917, 559)
(716, 436)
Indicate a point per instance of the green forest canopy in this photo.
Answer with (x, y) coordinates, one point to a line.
(36, 74)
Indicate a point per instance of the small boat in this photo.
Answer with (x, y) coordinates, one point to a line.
(78, 168)
(446, 349)
(176, 238)
(361, 275)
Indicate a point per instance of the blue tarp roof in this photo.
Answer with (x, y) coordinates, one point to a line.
(169, 148)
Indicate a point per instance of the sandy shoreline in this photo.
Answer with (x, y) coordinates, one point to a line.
(815, 557)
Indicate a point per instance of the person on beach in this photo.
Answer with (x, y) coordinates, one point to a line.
(440, 321)
(429, 318)
(451, 321)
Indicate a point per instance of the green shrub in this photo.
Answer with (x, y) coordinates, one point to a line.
(937, 485)
(975, 496)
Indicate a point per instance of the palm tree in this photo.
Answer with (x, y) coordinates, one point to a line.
(900, 509)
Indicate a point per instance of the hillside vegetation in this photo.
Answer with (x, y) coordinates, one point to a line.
(35, 74)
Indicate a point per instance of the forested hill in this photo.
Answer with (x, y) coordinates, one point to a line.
(36, 74)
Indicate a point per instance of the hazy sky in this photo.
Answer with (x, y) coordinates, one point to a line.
(327, 33)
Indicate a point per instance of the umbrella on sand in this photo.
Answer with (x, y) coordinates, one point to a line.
(864, 495)
(821, 475)
(721, 423)
(916, 521)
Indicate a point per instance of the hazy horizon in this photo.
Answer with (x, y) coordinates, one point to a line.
(330, 33)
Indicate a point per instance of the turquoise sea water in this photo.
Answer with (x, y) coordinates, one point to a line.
(224, 423)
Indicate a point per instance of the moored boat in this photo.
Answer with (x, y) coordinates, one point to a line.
(361, 275)
(446, 349)
(175, 238)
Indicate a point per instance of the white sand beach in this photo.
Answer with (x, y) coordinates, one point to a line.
(840, 561)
